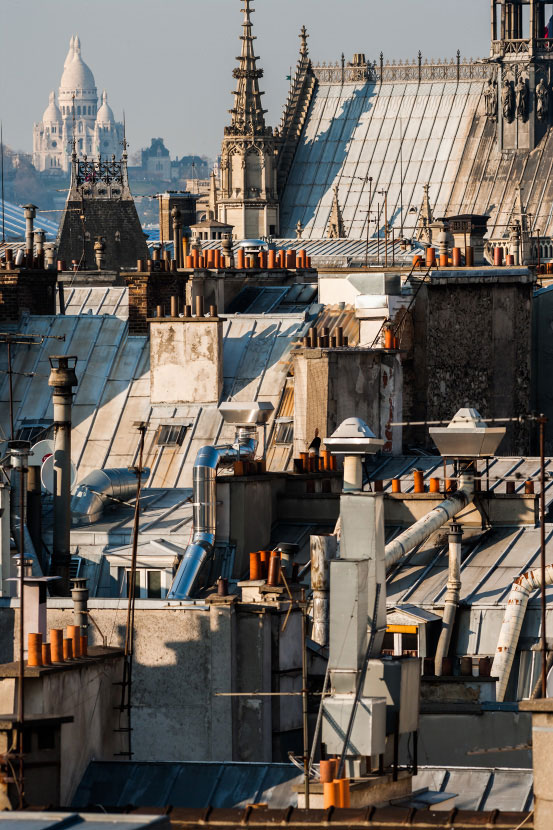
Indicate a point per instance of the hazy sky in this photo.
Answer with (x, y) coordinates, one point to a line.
(168, 63)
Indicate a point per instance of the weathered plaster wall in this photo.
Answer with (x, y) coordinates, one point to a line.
(473, 347)
(335, 384)
(186, 361)
(87, 693)
(183, 658)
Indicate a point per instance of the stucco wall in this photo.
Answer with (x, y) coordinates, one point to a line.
(472, 347)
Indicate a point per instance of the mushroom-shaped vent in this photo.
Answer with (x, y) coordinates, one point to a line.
(354, 437)
(467, 436)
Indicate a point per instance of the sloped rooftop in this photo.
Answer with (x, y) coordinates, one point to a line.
(393, 132)
(114, 384)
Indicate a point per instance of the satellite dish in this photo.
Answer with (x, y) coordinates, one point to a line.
(47, 474)
(40, 452)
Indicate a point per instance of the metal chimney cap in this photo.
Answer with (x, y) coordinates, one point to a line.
(246, 413)
(467, 436)
(354, 437)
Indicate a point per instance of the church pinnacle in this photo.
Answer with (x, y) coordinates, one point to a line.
(247, 113)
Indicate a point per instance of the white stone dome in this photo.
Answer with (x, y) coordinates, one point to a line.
(105, 115)
(76, 74)
(52, 114)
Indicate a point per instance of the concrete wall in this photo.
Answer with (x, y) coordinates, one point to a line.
(542, 368)
(184, 655)
(472, 347)
(467, 732)
(87, 693)
(334, 384)
(186, 361)
(248, 511)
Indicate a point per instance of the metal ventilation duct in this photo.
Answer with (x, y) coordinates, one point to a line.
(100, 488)
(246, 417)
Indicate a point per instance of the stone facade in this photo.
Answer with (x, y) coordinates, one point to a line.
(472, 347)
(331, 385)
(249, 199)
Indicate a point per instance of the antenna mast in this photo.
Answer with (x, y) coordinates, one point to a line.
(2, 183)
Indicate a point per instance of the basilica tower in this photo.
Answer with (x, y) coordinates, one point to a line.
(76, 117)
(519, 98)
(249, 199)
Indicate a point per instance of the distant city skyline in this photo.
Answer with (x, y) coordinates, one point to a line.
(169, 66)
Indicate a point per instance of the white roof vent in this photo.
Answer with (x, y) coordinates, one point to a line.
(467, 436)
(354, 437)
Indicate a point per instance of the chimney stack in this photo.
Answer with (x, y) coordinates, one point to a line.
(62, 379)
(30, 213)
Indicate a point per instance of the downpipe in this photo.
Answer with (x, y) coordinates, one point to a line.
(420, 531)
(452, 595)
(208, 461)
(513, 619)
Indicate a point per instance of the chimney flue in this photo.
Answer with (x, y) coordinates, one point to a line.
(62, 379)
(29, 213)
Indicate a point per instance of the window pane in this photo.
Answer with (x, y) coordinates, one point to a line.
(136, 584)
(154, 584)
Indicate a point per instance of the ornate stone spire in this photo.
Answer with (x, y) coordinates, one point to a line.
(423, 232)
(304, 50)
(247, 114)
(336, 229)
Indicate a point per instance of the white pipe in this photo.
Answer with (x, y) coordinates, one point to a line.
(513, 619)
(425, 527)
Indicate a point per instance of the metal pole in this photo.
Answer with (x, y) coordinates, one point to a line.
(378, 232)
(303, 605)
(401, 176)
(542, 421)
(385, 228)
(2, 172)
(10, 382)
(129, 634)
(19, 453)
(21, 681)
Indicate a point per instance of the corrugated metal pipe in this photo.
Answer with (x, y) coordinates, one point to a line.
(452, 595)
(425, 527)
(205, 505)
(102, 487)
(323, 549)
(513, 619)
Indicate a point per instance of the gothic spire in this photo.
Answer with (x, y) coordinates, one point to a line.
(304, 50)
(247, 113)
(336, 229)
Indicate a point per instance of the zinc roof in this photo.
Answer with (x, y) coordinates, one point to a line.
(114, 387)
(187, 784)
(15, 223)
(401, 135)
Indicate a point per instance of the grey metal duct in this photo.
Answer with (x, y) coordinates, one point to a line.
(208, 460)
(452, 595)
(246, 417)
(102, 487)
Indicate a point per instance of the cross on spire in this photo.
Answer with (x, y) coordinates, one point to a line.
(247, 113)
